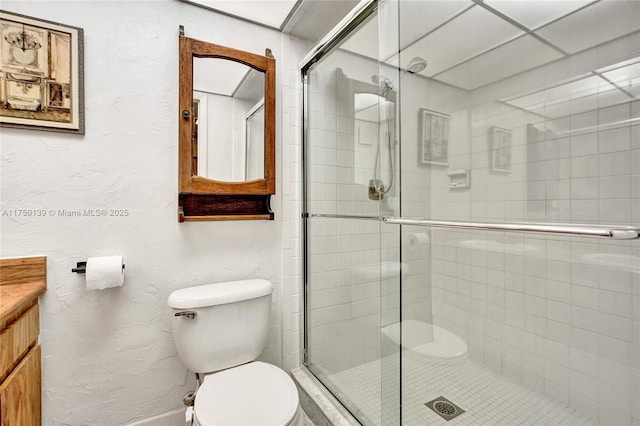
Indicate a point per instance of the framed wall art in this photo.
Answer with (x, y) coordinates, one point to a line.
(500, 141)
(433, 137)
(41, 74)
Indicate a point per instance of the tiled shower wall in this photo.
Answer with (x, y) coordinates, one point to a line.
(558, 314)
(292, 301)
(542, 312)
(346, 307)
(355, 265)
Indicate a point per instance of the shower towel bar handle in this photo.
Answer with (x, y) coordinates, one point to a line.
(613, 232)
(616, 233)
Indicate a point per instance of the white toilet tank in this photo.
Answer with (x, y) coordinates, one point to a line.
(230, 326)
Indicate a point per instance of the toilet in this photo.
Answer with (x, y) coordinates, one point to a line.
(219, 331)
(427, 342)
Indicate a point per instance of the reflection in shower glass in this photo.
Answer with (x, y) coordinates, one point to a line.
(537, 107)
(352, 268)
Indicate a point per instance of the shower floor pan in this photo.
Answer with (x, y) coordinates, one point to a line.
(487, 398)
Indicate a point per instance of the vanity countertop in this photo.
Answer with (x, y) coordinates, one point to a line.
(22, 281)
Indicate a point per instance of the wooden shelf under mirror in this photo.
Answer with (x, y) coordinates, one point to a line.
(226, 133)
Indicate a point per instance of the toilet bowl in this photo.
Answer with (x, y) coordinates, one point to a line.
(219, 331)
(252, 394)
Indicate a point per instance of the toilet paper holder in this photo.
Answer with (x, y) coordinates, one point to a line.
(81, 268)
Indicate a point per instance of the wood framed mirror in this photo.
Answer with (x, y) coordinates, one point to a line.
(226, 132)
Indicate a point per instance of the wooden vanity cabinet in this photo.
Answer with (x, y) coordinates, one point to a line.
(20, 360)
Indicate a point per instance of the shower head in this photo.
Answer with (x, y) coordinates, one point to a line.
(383, 81)
(416, 64)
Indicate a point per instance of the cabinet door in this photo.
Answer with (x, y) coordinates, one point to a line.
(17, 339)
(20, 394)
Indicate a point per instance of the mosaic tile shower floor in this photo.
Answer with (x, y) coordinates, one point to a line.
(488, 398)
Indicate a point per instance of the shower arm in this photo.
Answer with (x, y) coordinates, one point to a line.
(613, 232)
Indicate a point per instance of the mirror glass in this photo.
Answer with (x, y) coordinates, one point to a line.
(228, 125)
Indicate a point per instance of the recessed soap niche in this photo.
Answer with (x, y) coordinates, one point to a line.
(459, 179)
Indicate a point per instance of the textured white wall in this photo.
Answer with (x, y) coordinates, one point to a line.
(108, 357)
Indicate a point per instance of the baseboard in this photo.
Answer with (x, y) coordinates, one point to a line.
(170, 418)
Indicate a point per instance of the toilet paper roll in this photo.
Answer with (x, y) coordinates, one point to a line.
(418, 239)
(104, 272)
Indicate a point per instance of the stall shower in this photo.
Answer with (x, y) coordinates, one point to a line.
(472, 211)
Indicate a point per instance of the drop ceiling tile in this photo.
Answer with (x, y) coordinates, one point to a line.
(364, 41)
(534, 13)
(626, 77)
(469, 34)
(559, 93)
(585, 94)
(500, 63)
(421, 17)
(418, 18)
(594, 25)
(601, 100)
(635, 90)
(619, 65)
(584, 87)
(314, 18)
(268, 12)
(388, 28)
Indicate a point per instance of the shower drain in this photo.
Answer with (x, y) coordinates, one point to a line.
(444, 408)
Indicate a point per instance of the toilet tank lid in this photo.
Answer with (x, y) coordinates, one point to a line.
(219, 293)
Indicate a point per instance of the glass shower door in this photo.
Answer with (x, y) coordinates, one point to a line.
(471, 191)
(526, 114)
(351, 258)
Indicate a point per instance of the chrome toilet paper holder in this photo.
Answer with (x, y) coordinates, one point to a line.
(81, 268)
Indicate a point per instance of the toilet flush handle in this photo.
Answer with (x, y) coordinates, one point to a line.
(188, 314)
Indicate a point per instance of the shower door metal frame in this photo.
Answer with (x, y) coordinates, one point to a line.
(359, 14)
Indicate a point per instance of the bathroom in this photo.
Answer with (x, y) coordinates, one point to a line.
(108, 357)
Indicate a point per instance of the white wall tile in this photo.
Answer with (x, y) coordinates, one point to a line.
(584, 384)
(545, 310)
(615, 326)
(587, 297)
(585, 319)
(586, 144)
(615, 187)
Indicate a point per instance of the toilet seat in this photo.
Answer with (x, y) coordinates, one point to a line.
(251, 394)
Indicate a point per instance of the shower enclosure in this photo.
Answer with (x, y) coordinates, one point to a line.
(471, 212)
